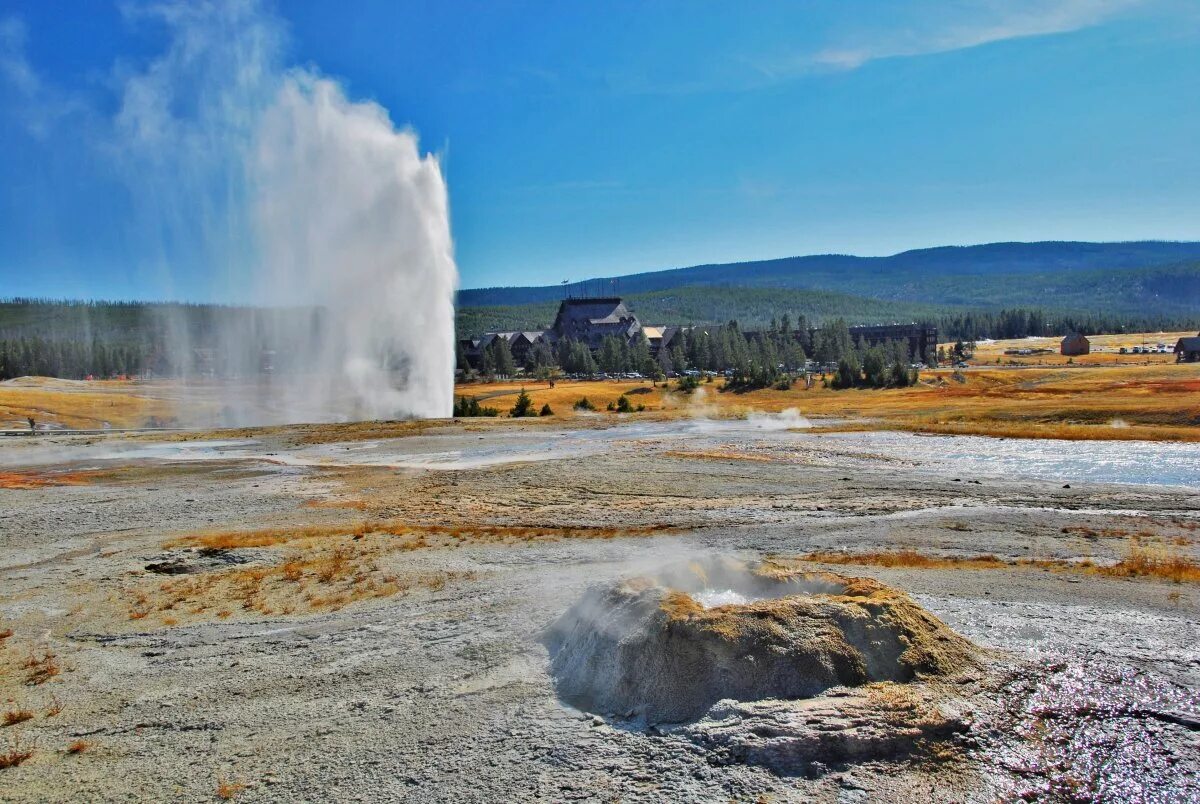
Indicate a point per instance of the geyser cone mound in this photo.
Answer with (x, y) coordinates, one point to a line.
(649, 648)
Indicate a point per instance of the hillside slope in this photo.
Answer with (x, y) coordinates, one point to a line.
(1056, 274)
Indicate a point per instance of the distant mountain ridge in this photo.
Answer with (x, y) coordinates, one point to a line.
(930, 276)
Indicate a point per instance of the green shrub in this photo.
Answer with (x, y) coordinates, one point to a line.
(584, 404)
(546, 411)
(467, 406)
(849, 373)
(524, 406)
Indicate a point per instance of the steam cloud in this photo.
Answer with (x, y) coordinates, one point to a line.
(287, 194)
(350, 213)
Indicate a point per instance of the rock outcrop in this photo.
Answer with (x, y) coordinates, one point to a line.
(647, 649)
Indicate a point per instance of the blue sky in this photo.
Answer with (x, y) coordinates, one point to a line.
(586, 139)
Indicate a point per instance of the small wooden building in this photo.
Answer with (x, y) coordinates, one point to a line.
(1187, 350)
(1075, 344)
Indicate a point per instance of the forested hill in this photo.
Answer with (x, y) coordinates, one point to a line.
(977, 275)
(756, 308)
(996, 290)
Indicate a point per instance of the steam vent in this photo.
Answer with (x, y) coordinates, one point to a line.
(664, 649)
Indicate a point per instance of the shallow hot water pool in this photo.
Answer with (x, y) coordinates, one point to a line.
(1142, 462)
(712, 598)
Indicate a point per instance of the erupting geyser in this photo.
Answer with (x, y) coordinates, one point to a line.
(645, 648)
(353, 219)
(283, 193)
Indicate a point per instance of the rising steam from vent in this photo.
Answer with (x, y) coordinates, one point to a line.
(287, 194)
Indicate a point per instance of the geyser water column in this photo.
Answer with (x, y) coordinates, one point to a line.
(351, 218)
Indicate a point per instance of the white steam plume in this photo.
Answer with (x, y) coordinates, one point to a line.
(288, 194)
(352, 216)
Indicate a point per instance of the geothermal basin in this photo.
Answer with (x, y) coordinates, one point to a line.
(436, 611)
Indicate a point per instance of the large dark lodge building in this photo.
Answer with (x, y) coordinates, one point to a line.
(587, 320)
(591, 320)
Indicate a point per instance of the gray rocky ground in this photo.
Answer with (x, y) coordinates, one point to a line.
(435, 688)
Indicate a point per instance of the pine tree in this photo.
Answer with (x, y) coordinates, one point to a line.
(502, 356)
(523, 407)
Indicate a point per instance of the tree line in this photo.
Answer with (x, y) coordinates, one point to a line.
(750, 359)
(976, 325)
(75, 340)
(73, 360)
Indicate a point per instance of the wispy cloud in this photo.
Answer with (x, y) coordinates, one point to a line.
(949, 27)
(14, 66)
(38, 105)
(176, 129)
(863, 31)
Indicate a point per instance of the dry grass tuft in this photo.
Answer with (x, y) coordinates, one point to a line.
(55, 707)
(78, 747)
(14, 716)
(15, 755)
(227, 789)
(41, 669)
(140, 606)
(325, 576)
(904, 558)
(1143, 561)
(5, 634)
(417, 536)
(327, 567)
(1157, 562)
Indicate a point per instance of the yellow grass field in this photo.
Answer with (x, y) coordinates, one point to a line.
(1090, 399)
(1157, 402)
(1105, 351)
(81, 405)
